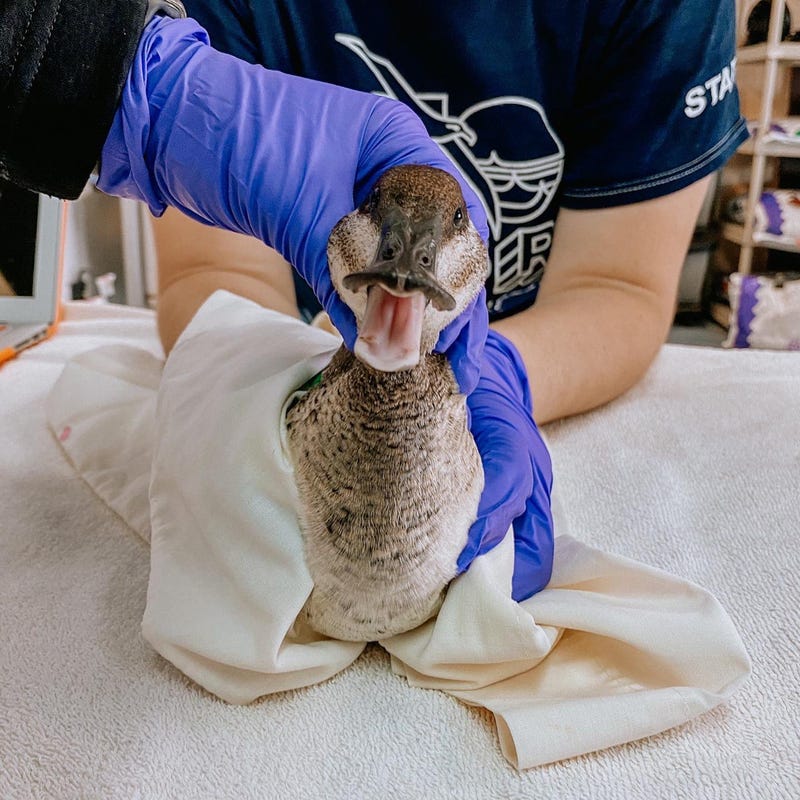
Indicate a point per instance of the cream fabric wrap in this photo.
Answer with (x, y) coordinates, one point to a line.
(610, 652)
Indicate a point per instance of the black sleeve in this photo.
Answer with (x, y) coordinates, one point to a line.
(63, 64)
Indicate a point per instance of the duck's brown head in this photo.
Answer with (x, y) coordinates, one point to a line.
(407, 262)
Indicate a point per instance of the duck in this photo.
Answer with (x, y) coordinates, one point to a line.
(387, 473)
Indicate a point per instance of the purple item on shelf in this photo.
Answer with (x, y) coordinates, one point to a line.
(746, 309)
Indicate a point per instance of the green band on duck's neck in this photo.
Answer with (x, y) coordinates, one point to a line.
(312, 382)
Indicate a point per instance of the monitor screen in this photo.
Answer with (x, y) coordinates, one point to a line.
(19, 211)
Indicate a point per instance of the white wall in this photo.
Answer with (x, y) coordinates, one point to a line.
(103, 235)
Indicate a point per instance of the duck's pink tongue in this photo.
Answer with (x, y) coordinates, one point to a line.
(390, 334)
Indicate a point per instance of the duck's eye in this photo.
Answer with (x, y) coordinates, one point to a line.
(459, 217)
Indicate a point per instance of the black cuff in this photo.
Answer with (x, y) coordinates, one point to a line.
(63, 64)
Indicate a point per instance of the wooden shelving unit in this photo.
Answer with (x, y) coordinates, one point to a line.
(774, 54)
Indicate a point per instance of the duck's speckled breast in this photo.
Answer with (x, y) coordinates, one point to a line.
(389, 479)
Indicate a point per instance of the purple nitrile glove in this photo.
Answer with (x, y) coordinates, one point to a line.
(275, 156)
(517, 469)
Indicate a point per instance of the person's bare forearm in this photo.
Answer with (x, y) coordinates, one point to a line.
(194, 260)
(587, 346)
(606, 301)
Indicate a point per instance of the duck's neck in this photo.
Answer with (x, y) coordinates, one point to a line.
(428, 383)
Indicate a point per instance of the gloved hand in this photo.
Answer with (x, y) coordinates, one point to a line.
(267, 154)
(517, 468)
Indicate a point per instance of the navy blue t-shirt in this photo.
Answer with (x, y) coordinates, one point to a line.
(576, 103)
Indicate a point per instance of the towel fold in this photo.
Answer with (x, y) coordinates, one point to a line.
(610, 652)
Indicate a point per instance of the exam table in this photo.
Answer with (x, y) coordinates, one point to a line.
(696, 471)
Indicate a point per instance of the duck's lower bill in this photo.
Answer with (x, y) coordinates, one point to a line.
(390, 334)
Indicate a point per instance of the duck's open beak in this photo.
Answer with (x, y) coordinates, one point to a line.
(400, 281)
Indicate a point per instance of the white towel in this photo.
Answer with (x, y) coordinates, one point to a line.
(610, 652)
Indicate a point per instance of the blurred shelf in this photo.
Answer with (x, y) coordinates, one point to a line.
(735, 233)
(774, 149)
(786, 52)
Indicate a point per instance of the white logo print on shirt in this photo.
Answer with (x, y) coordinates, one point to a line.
(713, 91)
(514, 193)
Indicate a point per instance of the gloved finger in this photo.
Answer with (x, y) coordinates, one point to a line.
(463, 340)
(508, 482)
(343, 320)
(533, 530)
(339, 312)
(472, 549)
(397, 135)
(533, 545)
(505, 376)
